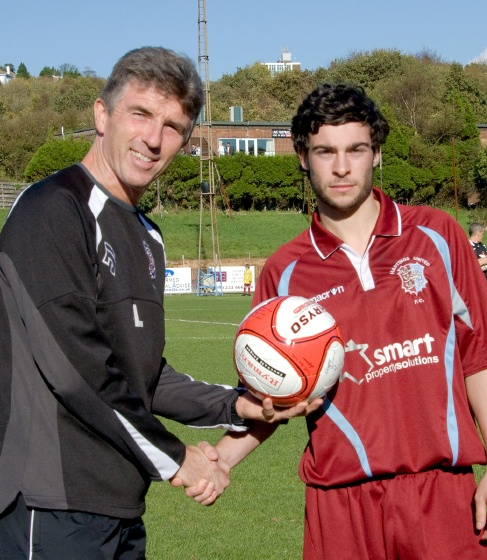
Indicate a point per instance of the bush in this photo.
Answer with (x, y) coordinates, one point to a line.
(55, 155)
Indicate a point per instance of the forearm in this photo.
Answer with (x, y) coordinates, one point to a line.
(476, 386)
(477, 396)
(235, 446)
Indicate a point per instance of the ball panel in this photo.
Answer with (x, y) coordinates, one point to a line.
(331, 369)
(299, 319)
(263, 366)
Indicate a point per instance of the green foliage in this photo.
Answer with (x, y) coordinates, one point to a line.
(366, 68)
(55, 155)
(49, 72)
(432, 106)
(248, 182)
(76, 94)
(480, 173)
(69, 70)
(22, 71)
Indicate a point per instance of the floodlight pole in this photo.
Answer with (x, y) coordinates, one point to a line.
(209, 280)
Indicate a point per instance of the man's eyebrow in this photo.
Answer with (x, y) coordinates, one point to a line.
(360, 145)
(177, 126)
(139, 109)
(181, 129)
(333, 148)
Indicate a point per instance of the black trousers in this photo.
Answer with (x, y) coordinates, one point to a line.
(38, 534)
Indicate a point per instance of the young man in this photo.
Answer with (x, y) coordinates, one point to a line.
(387, 467)
(82, 374)
(476, 233)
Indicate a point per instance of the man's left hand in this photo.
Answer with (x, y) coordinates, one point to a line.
(249, 407)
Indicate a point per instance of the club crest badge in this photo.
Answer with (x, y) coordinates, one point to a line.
(412, 277)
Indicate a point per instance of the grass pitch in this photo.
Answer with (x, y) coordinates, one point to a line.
(260, 516)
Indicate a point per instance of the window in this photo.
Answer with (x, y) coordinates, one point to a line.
(251, 146)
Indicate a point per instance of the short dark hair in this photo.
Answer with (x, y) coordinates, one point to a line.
(475, 227)
(171, 73)
(337, 104)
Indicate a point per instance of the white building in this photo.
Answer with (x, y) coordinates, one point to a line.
(6, 75)
(285, 64)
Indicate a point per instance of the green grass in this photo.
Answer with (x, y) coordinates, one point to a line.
(260, 516)
(3, 216)
(244, 235)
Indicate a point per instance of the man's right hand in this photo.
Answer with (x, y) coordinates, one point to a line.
(204, 475)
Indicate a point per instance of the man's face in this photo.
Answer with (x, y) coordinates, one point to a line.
(139, 139)
(478, 236)
(341, 162)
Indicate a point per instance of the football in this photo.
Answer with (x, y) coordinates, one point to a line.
(290, 349)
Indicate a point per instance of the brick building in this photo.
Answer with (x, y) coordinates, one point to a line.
(254, 138)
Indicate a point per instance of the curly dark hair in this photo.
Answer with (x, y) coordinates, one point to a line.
(337, 104)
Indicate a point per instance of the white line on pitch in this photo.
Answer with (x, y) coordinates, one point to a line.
(204, 322)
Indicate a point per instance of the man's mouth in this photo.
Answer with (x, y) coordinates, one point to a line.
(140, 156)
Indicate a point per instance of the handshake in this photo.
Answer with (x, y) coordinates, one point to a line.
(205, 472)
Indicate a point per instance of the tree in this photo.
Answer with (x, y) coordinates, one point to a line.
(89, 72)
(480, 173)
(22, 71)
(69, 70)
(415, 93)
(366, 68)
(76, 94)
(49, 72)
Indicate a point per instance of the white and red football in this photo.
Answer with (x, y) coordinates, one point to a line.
(290, 349)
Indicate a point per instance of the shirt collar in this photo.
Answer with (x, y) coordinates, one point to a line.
(389, 224)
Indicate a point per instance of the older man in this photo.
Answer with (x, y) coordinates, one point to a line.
(82, 374)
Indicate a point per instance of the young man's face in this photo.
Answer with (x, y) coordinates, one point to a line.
(140, 138)
(341, 162)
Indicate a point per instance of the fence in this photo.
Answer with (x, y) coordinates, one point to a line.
(9, 192)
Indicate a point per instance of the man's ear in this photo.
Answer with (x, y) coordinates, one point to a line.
(377, 156)
(100, 112)
(303, 159)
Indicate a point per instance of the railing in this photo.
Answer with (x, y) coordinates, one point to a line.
(9, 192)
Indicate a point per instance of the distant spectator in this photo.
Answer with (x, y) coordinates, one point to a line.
(248, 277)
(476, 233)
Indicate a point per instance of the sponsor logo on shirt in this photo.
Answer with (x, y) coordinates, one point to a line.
(109, 258)
(392, 358)
(152, 262)
(329, 293)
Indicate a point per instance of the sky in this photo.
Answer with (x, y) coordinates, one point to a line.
(94, 34)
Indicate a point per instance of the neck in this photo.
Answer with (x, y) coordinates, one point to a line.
(353, 228)
(97, 166)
